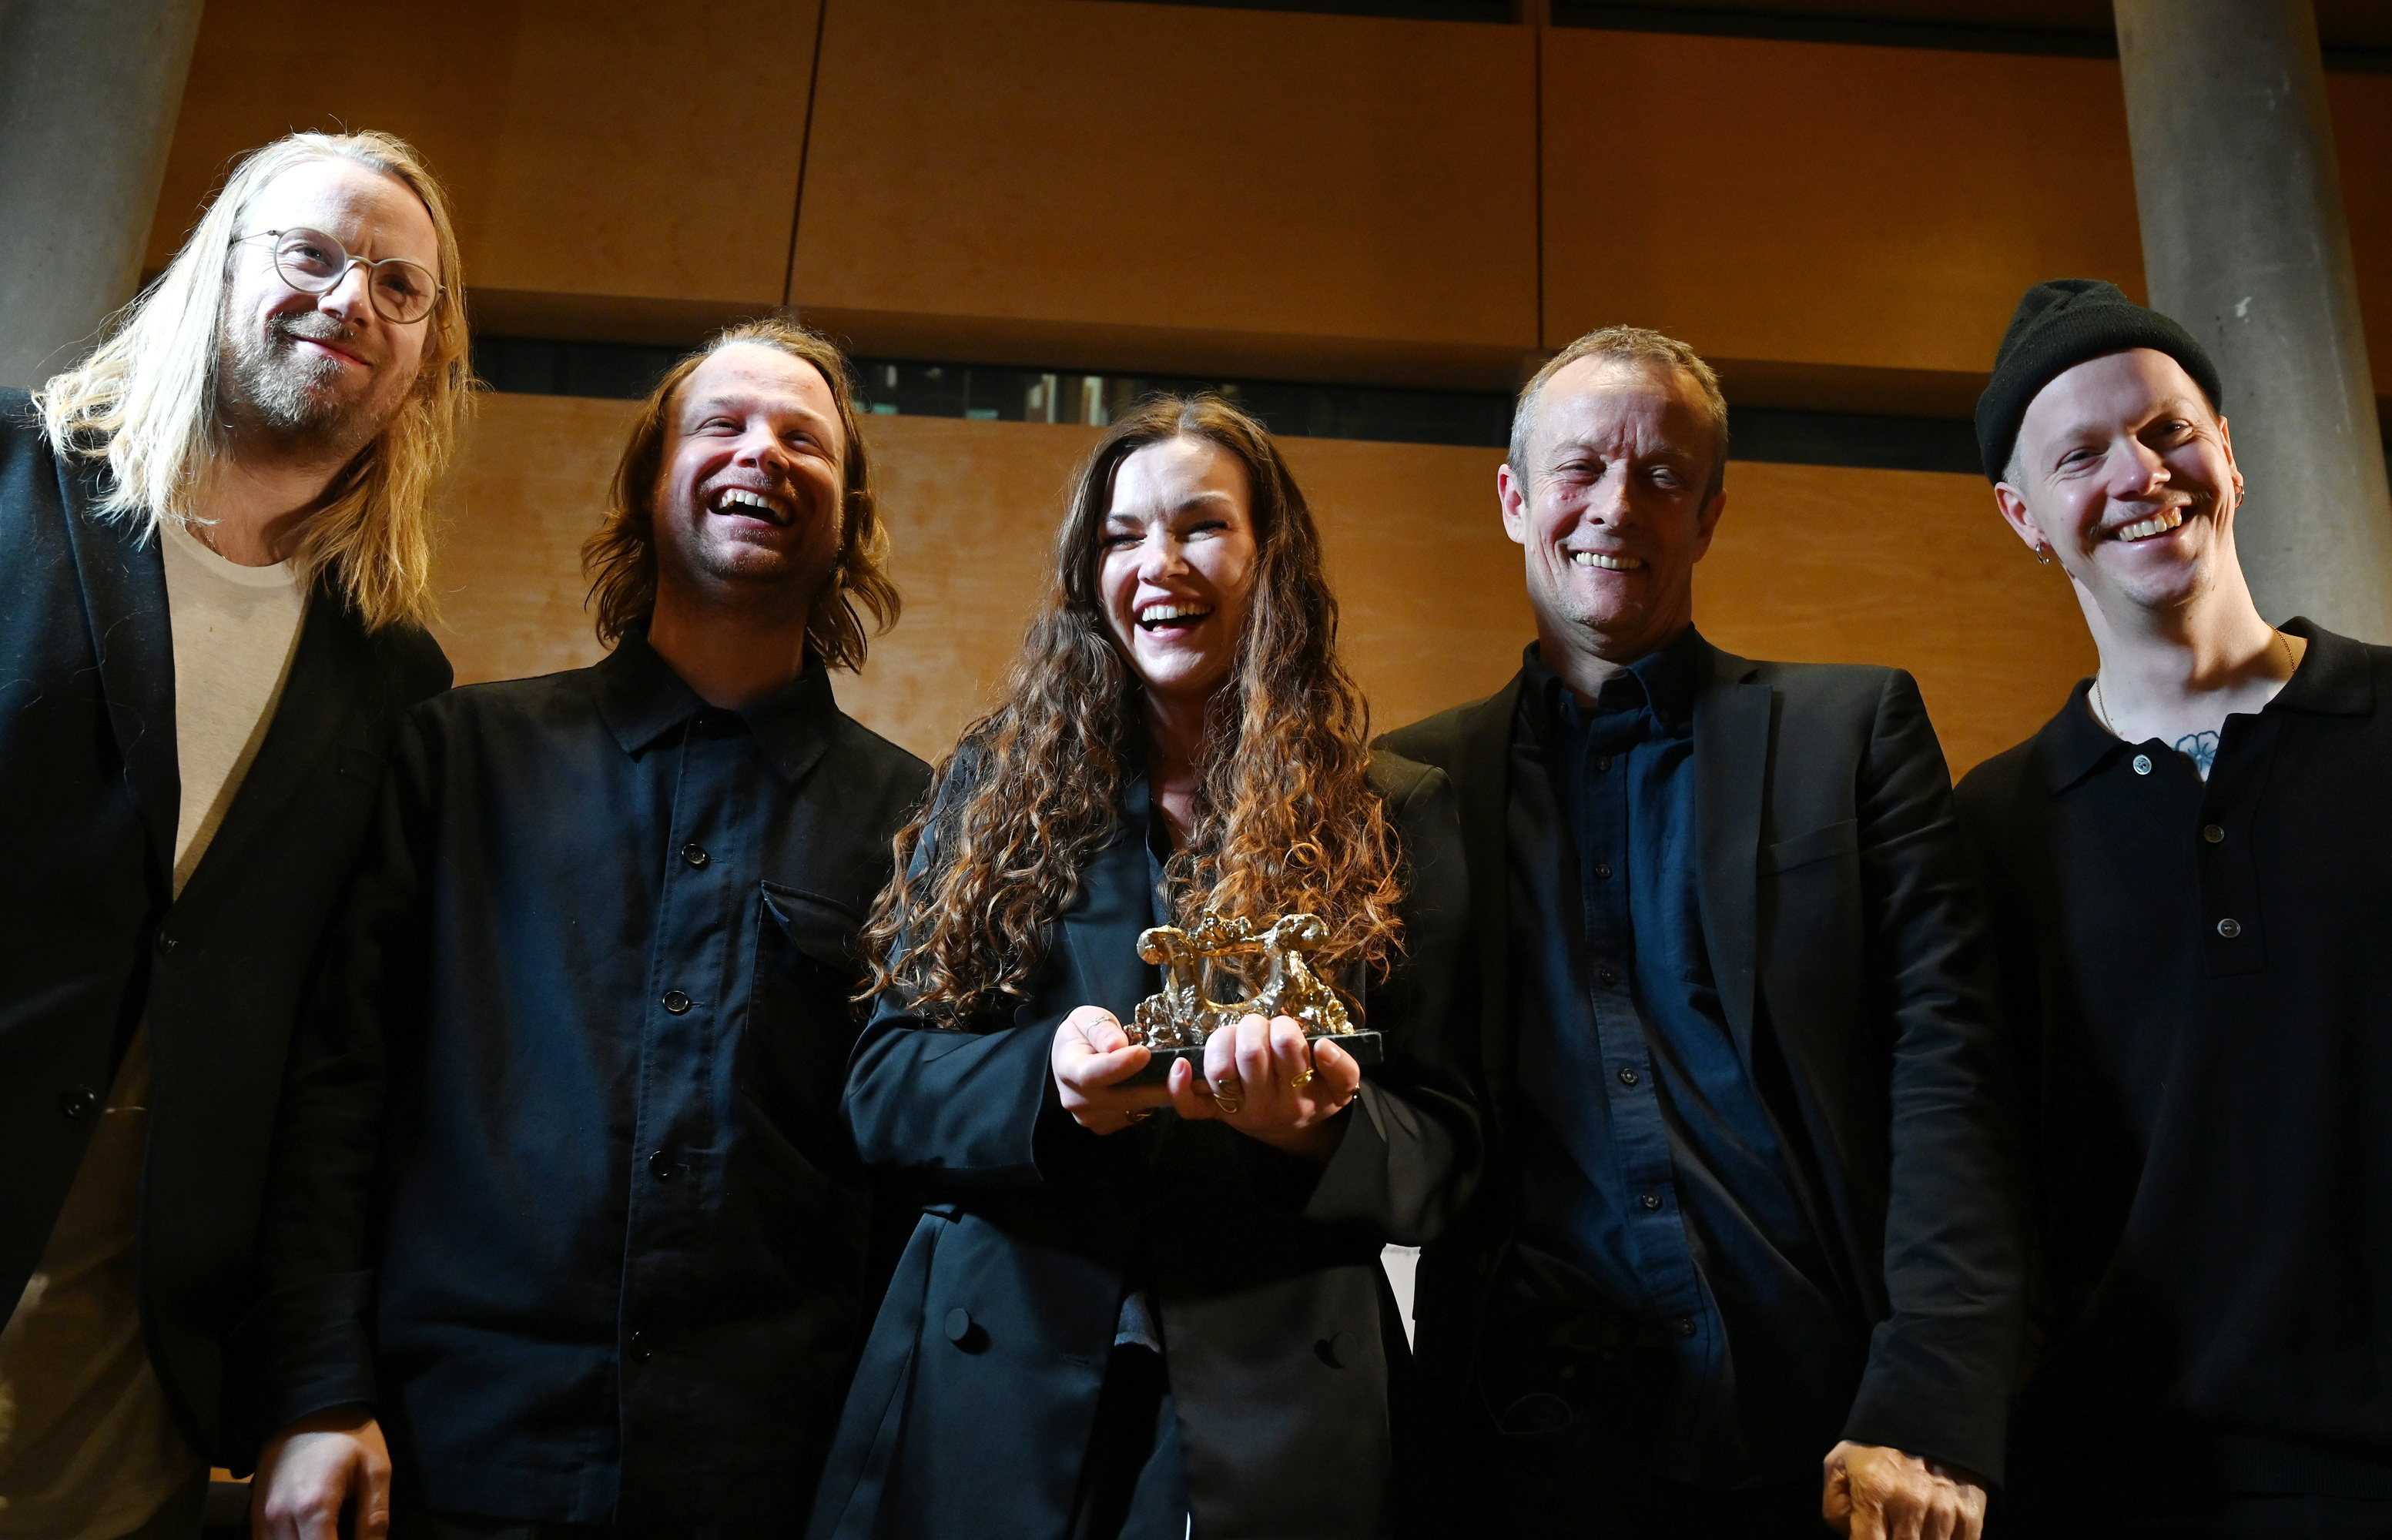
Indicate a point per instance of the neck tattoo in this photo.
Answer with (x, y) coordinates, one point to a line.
(2199, 748)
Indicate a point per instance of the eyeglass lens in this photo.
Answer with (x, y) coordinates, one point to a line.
(313, 262)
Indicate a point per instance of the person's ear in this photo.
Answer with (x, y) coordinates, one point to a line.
(1512, 496)
(2011, 504)
(2226, 438)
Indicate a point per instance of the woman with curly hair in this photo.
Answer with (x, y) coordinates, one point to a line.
(1132, 1303)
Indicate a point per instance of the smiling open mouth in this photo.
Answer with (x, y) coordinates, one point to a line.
(1171, 618)
(1607, 562)
(751, 504)
(2158, 524)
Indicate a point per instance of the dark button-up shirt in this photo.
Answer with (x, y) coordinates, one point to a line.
(1652, 1160)
(2200, 996)
(564, 1129)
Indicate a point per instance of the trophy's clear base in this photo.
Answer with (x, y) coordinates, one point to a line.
(1367, 1048)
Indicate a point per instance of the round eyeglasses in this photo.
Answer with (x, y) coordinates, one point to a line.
(313, 262)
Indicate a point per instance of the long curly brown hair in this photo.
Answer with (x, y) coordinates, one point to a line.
(1283, 820)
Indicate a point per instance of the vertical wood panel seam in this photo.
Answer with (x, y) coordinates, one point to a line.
(805, 154)
(1539, 12)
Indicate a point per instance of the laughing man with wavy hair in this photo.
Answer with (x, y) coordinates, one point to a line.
(563, 1226)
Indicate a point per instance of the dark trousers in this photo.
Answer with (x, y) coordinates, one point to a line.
(1562, 1447)
(2231, 1516)
(1135, 1484)
(1575, 1482)
(422, 1524)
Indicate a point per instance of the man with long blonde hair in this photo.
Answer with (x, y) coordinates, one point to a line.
(564, 1225)
(213, 537)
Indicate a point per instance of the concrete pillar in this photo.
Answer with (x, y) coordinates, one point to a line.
(2244, 243)
(88, 94)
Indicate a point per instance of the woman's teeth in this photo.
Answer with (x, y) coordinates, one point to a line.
(2158, 524)
(1608, 563)
(1158, 615)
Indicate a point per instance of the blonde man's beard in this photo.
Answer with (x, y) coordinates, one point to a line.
(272, 389)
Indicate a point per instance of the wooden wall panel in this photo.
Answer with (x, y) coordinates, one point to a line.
(1079, 169)
(2362, 141)
(591, 146)
(1820, 204)
(1907, 567)
(528, 487)
(1828, 565)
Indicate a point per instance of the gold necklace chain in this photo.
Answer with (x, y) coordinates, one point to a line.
(2101, 711)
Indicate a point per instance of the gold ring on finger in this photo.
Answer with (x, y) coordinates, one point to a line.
(1301, 1081)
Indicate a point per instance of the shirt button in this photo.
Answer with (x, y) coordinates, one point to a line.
(639, 1349)
(1607, 976)
(1627, 1077)
(692, 855)
(2211, 833)
(77, 1100)
(1685, 1325)
(1603, 871)
(2142, 764)
(2229, 927)
(676, 1001)
(1652, 1200)
(1603, 761)
(165, 944)
(660, 1166)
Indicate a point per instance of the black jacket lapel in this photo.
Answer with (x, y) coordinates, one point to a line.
(1116, 903)
(125, 593)
(1732, 716)
(1482, 784)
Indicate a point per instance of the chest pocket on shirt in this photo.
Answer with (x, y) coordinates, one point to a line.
(800, 1022)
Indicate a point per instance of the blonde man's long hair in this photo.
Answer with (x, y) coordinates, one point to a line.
(146, 402)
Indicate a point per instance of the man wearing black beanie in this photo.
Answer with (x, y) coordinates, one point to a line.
(2188, 870)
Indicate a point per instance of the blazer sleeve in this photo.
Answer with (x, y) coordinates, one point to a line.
(306, 1346)
(960, 1108)
(1942, 1362)
(1412, 1152)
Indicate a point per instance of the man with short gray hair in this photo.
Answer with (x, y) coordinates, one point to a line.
(1749, 1204)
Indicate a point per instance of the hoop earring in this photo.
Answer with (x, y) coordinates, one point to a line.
(2043, 556)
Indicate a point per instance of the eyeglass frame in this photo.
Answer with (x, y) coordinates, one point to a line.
(349, 260)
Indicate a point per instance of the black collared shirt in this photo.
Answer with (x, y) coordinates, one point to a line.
(591, 1009)
(1652, 1161)
(2200, 992)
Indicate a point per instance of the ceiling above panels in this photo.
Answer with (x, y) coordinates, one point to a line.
(2365, 24)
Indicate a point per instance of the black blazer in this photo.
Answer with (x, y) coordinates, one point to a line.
(90, 943)
(973, 1408)
(1837, 911)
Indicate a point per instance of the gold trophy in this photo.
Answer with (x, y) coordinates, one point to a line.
(1176, 1023)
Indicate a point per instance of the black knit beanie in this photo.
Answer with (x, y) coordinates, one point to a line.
(2058, 326)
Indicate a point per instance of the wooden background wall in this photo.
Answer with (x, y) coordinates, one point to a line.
(1149, 187)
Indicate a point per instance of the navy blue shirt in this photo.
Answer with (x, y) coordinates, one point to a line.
(1652, 1160)
(561, 1186)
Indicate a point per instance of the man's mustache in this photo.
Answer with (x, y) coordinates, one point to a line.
(312, 325)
